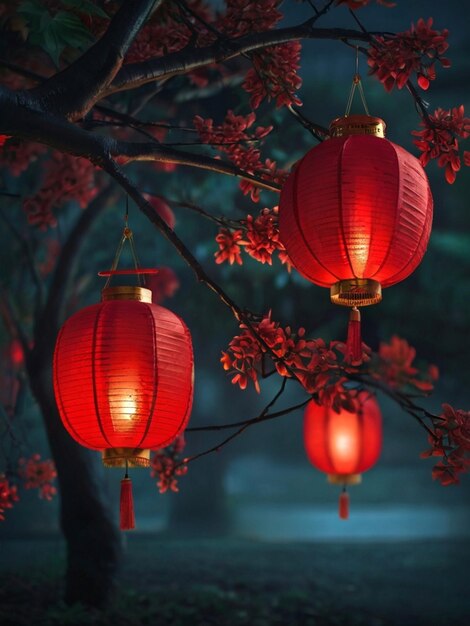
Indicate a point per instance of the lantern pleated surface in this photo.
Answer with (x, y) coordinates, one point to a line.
(344, 444)
(355, 213)
(123, 375)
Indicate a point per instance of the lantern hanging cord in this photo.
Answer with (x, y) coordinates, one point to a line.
(356, 84)
(127, 235)
(127, 469)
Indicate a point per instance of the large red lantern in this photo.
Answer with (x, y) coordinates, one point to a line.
(123, 379)
(344, 444)
(355, 213)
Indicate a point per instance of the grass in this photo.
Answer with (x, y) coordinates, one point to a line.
(241, 583)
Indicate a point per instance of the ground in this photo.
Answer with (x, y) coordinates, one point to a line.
(228, 582)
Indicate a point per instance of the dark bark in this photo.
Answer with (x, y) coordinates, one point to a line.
(20, 118)
(89, 527)
(93, 539)
(73, 91)
(136, 74)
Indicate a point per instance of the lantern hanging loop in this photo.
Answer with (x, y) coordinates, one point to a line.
(356, 84)
(127, 236)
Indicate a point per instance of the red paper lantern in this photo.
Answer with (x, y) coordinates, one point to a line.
(344, 444)
(123, 378)
(355, 213)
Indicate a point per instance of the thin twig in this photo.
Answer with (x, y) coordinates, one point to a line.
(262, 417)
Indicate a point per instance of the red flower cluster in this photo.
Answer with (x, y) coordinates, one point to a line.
(8, 495)
(262, 234)
(167, 32)
(394, 365)
(248, 16)
(439, 139)
(415, 50)
(451, 441)
(17, 156)
(274, 75)
(232, 139)
(358, 4)
(261, 240)
(66, 178)
(311, 361)
(39, 474)
(157, 39)
(229, 246)
(167, 465)
(231, 131)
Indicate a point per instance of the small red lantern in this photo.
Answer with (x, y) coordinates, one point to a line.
(355, 215)
(123, 379)
(344, 444)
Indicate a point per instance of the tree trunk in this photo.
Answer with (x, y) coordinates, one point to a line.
(93, 540)
(200, 508)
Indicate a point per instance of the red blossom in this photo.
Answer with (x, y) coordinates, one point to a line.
(8, 495)
(394, 364)
(166, 32)
(417, 50)
(229, 242)
(262, 235)
(274, 75)
(66, 178)
(167, 465)
(17, 156)
(39, 474)
(450, 440)
(312, 362)
(248, 16)
(439, 139)
(162, 209)
(358, 4)
(261, 240)
(231, 138)
(162, 285)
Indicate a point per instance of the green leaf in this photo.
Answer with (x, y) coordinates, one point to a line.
(86, 6)
(54, 33)
(31, 9)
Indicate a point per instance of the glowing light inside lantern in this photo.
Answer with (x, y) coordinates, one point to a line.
(123, 408)
(344, 441)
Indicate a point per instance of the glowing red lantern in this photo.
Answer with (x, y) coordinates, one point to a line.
(355, 214)
(123, 379)
(344, 444)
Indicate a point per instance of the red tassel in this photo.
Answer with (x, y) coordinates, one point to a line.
(127, 505)
(343, 509)
(354, 341)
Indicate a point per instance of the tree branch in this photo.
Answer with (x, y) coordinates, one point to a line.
(30, 260)
(18, 118)
(264, 415)
(11, 321)
(49, 322)
(189, 59)
(73, 91)
(128, 152)
(110, 166)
